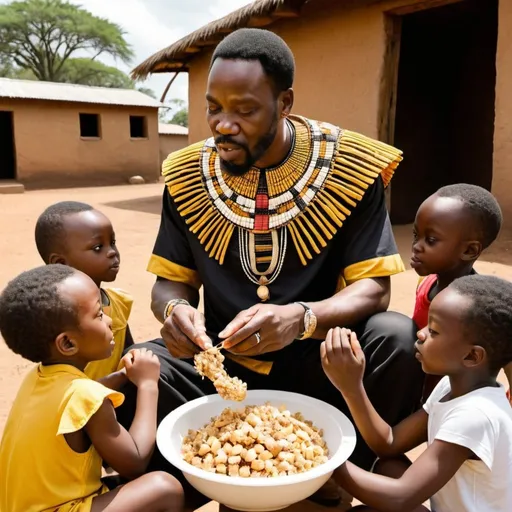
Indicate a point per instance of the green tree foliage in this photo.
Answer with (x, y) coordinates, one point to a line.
(175, 112)
(40, 39)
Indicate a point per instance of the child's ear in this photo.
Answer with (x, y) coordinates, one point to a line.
(475, 357)
(56, 258)
(65, 345)
(472, 251)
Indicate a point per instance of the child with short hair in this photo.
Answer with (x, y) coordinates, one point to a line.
(62, 424)
(467, 421)
(75, 234)
(451, 230)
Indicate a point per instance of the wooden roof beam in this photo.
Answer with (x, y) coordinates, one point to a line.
(286, 12)
(193, 49)
(260, 21)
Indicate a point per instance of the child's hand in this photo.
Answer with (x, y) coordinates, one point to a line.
(343, 360)
(141, 366)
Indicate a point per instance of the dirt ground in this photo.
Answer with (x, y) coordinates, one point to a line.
(134, 211)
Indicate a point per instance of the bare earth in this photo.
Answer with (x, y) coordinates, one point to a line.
(134, 212)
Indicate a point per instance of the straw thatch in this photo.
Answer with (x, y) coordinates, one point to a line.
(177, 56)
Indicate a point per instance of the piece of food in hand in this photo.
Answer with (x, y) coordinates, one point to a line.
(256, 441)
(209, 364)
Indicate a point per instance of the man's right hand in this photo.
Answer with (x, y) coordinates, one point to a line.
(184, 332)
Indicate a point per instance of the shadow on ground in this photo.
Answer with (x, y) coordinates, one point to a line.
(151, 204)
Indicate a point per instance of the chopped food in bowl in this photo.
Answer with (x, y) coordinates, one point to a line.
(211, 426)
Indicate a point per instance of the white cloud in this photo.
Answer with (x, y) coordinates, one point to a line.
(151, 25)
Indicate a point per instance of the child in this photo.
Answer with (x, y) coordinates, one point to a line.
(62, 423)
(451, 229)
(75, 234)
(467, 420)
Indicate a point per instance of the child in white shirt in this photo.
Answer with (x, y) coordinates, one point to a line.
(467, 420)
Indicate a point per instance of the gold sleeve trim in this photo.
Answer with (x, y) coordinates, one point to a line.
(376, 267)
(173, 272)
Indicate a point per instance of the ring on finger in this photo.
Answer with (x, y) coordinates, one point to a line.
(258, 337)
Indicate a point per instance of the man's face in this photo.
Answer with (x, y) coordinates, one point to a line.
(242, 112)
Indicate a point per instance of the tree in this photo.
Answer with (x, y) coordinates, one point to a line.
(42, 36)
(148, 91)
(92, 72)
(175, 112)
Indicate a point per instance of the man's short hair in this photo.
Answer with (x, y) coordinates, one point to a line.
(481, 206)
(488, 321)
(268, 48)
(33, 312)
(50, 235)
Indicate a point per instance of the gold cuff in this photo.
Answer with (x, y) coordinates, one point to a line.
(171, 305)
(309, 322)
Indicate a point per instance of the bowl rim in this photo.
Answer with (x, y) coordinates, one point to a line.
(341, 456)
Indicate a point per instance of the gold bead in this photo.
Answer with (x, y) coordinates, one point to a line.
(263, 293)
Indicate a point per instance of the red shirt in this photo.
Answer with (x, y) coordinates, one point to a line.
(422, 305)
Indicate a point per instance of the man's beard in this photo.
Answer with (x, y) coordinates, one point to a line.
(251, 157)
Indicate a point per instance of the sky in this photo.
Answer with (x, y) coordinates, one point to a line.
(152, 25)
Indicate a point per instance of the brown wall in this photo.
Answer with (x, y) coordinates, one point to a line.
(51, 153)
(170, 143)
(502, 168)
(346, 47)
(339, 53)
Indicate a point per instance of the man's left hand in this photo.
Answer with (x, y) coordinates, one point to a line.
(263, 328)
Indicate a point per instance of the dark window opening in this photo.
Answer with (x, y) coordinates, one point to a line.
(444, 120)
(8, 165)
(90, 125)
(138, 127)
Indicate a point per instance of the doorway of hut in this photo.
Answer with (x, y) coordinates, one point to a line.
(444, 104)
(7, 157)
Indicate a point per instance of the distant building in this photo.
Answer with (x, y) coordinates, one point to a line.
(63, 135)
(432, 77)
(172, 138)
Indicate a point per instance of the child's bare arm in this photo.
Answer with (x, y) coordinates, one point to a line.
(343, 362)
(129, 452)
(433, 469)
(115, 380)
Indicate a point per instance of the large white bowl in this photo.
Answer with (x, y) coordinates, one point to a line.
(257, 494)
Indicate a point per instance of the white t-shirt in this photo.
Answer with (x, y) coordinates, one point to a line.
(482, 422)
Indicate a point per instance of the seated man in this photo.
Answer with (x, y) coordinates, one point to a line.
(283, 222)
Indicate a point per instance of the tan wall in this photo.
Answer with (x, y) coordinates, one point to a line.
(339, 53)
(343, 85)
(170, 143)
(51, 153)
(502, 167)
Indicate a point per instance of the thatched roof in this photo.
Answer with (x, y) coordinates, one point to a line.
(177, 56)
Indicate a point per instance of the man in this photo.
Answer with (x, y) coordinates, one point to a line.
(282, 220)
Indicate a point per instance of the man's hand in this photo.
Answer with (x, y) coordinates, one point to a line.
(343, 360)
(277, 327)
(184, 332)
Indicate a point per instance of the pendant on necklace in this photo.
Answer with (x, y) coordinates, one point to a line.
(263, 291)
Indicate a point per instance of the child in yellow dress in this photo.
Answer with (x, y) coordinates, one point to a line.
(77, 235)
(62, 424)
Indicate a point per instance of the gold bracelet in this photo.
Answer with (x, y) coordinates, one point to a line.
(310, 322)
(171, 305)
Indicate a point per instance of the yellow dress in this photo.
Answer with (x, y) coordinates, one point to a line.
(38, 470)
(119, 310)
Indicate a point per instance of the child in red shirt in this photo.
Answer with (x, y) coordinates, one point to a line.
(451, 230)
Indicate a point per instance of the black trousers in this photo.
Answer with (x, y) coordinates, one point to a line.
(393, 378)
